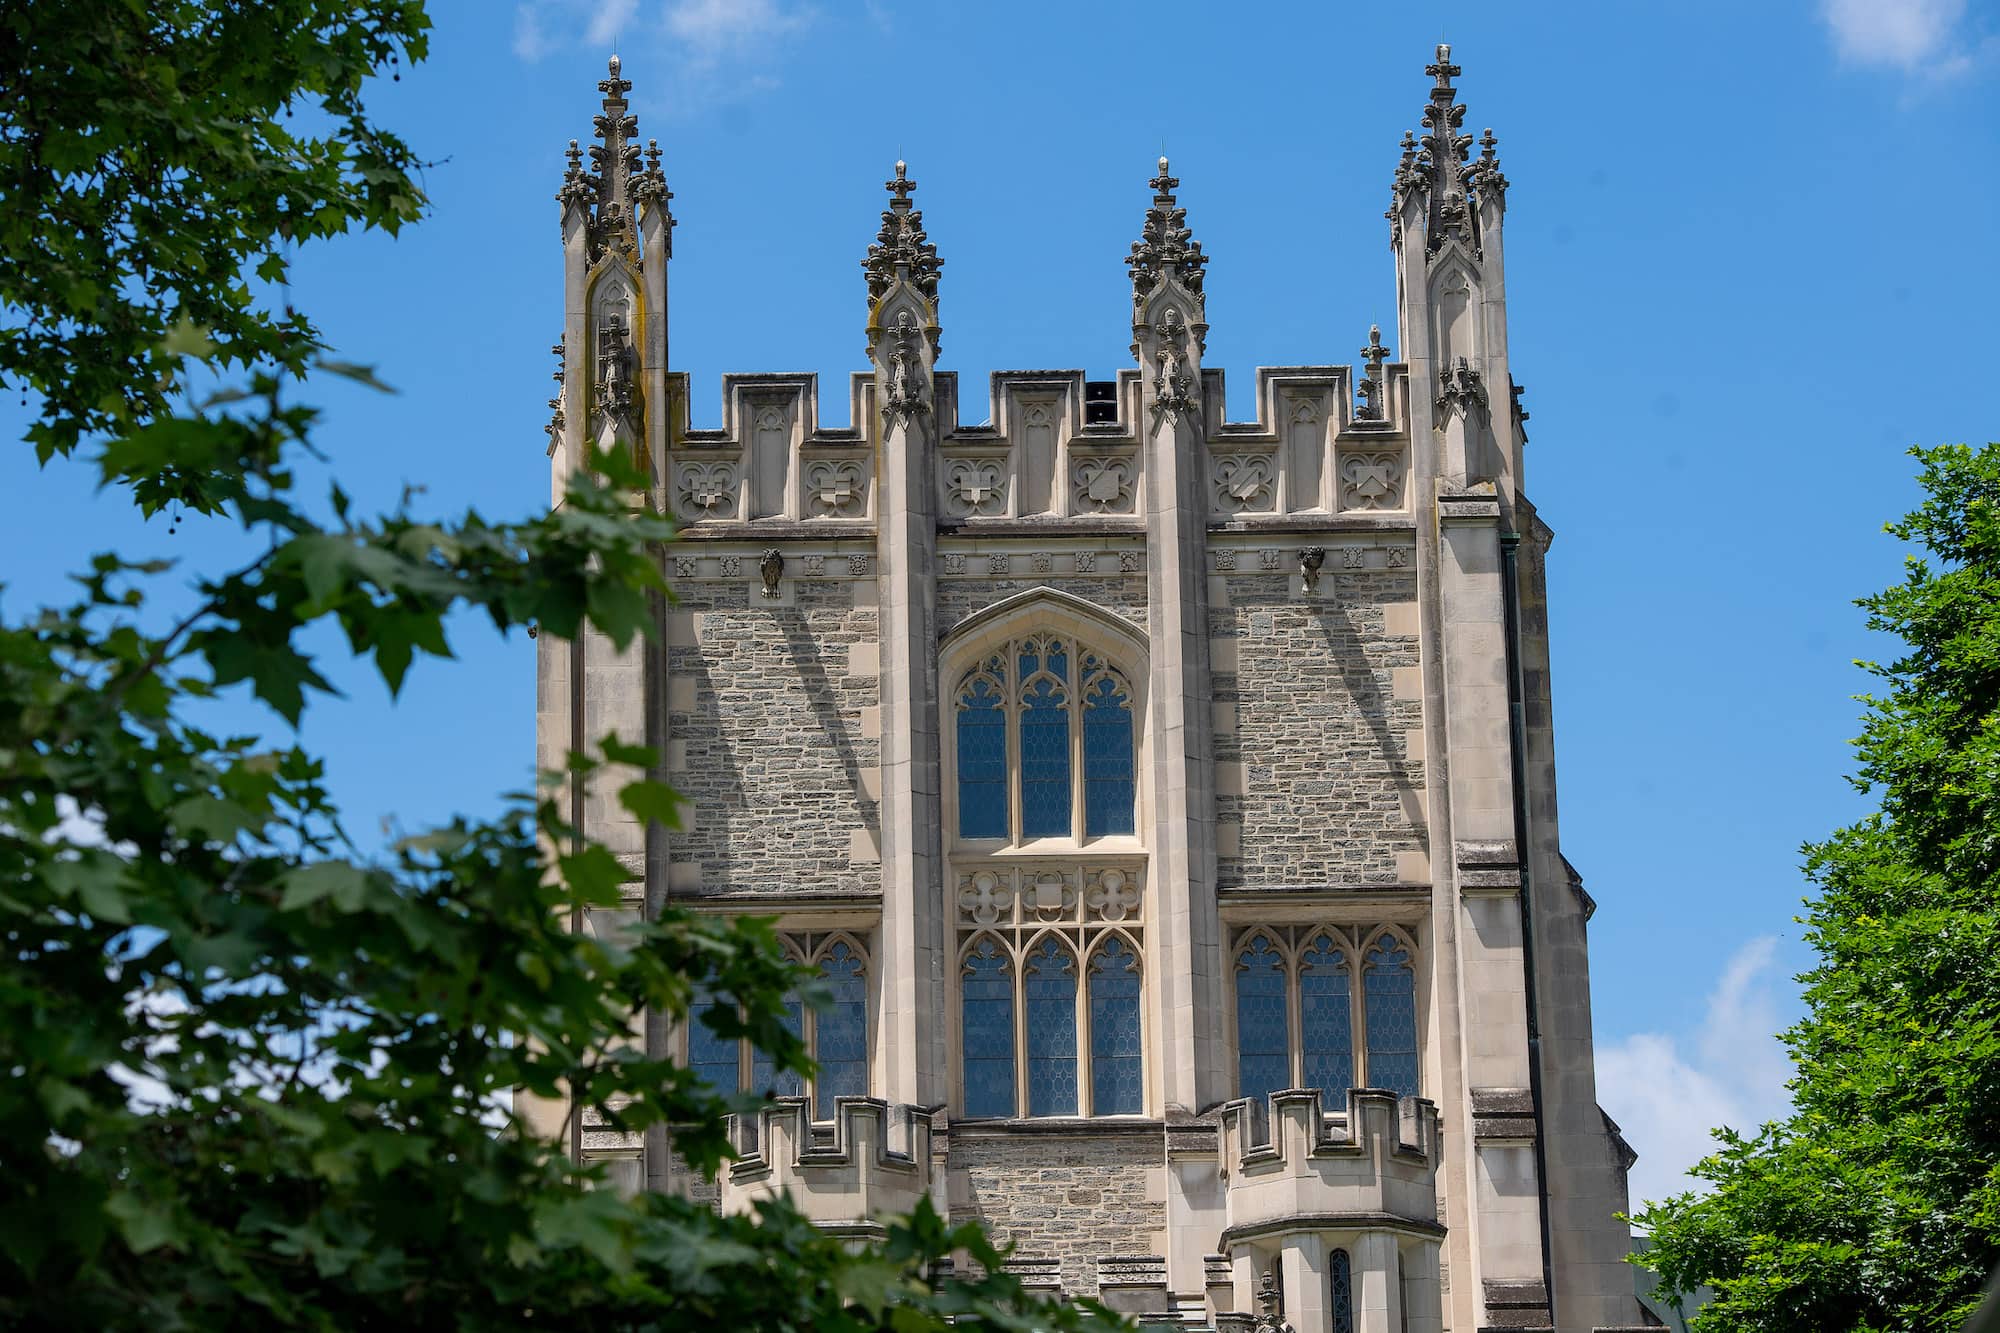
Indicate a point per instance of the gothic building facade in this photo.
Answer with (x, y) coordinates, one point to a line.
(1168, 802)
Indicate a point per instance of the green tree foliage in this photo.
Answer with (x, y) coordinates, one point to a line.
(1876, 1204)
(257, 1076)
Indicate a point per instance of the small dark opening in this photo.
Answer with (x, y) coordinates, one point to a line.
(1100, 401)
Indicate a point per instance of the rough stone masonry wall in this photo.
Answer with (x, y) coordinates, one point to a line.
(1072, 1197)
(771, 710)
(1326, 791)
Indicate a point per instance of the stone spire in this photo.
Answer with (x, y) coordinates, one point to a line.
(901, 250)
(616, 184)
(1166, 247)
(1436, 169)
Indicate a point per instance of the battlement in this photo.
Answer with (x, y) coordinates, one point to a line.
(1289, 1165)
(873, 1158)
(1053, 445)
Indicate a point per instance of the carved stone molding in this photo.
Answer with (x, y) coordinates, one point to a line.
(1372, 479)
(975, 487)
(707, 490)
(836, 488)
(1102, 486)
(1245, 484)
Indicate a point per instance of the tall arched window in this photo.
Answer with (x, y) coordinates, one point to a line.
(1114, 1030)
(1108, 769)
(1340, 1292)
(986, 1029)
(1051, 993)
(982, 753)
(1263, 1029)
(1326, 1026)
(710, 1054)
(1029, 718)
(842, 1029)
(1390, 988)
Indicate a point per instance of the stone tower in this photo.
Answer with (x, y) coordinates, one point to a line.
(1167, 802)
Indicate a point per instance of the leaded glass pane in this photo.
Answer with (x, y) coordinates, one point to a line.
(1051, 998)
(1340, 1274)
(1045, 799)
(1326, 1021)
(982, 761)
(765, 1078)
(1263, 1028)
(1115, 1087)
(711, 1056)
(1107, 759)
(986, 1026)
(840, 1031)
(1389, 988)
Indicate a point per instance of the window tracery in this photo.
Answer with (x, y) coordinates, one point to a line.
(835, 1036)
(1051, 981)
(1325, 1007)
(1030, 717)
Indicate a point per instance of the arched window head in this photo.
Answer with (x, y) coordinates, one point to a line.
(986, 1029)
(1263, 1027)
(982, 754)
(841, 1029)
(1340, 1292)
(1389, 991)
(1115, 1061)
(1028, 719)
(1050, 988)
(1108, 768)
(1326, 1020)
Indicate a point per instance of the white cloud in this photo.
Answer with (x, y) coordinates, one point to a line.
(1666, 1092)
(1914, 36)
(680, 48)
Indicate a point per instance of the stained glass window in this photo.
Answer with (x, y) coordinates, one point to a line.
(1045, 794)
(1051, 1022)
(709, 1055)
(1326, 1027)
(764, 1075)
(1340, 1281)
(1263, 1029)
(1107, 759)
(982, 760)
(1115, 1087)
(1389, 990)
(841, 1030)
(987, 1029)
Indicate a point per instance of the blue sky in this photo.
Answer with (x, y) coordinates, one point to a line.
(1748, 263)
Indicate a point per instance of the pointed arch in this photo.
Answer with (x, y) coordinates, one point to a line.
(986, 1025)
(1263, 1015)
(1049, 977)
(1389, 1011)
(1043, 608)
(1114, 977)
(1326, 1014)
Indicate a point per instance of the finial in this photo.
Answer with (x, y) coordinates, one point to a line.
(1166, 245)
(614, 64)
(901, 248)
(1374, 354)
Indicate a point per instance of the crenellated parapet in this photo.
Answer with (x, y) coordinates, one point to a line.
(874, 1158)
(1288, 1166)
(1054, 445)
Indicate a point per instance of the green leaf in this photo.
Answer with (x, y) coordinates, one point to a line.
(652, 801)
(146, 1226)
(346, 884)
